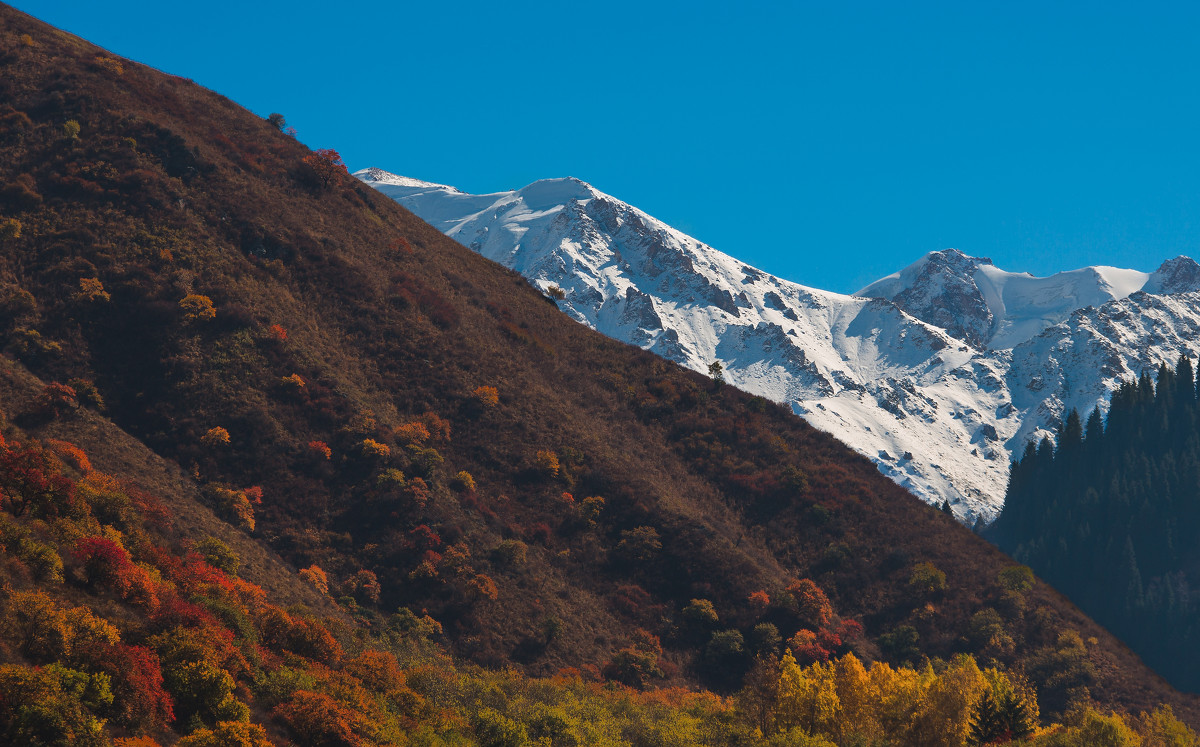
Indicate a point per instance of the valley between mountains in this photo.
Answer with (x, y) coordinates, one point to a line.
(939, 374)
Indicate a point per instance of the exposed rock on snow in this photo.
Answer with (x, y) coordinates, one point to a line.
(939, 373)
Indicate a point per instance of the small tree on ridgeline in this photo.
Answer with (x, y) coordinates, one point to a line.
(716, 372)
(325, 166)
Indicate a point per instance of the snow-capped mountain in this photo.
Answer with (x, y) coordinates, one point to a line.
(990, 308)
(938, 373)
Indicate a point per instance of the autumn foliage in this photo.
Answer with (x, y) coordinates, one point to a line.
(325, 166)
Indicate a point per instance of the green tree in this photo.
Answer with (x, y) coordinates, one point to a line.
(716, 372)
(927, 580)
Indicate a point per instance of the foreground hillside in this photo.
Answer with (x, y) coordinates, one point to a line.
(418, 428)
(939, 373)
(116, 628)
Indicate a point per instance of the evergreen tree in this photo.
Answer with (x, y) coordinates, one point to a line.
(986, 726)
(1102, 516)
(1013, 717)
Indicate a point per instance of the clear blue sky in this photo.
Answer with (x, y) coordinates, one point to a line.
(830, 143)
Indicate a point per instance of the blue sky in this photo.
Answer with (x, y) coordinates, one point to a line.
(830, 143)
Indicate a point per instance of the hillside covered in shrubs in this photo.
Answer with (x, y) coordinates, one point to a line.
(426, 459)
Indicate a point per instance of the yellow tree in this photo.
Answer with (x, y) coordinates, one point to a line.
(807, 697)
(943, 717)
(896, 694)
(858, 719)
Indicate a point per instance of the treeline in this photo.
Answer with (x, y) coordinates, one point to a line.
(1109, 516)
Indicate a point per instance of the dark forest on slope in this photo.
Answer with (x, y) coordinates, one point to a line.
(1112, 518)
(416, 427)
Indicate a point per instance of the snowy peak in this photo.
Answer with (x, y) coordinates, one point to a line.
(998, 310)
(1178, 275)
(378, 177)
(550, 193)
(941, 288)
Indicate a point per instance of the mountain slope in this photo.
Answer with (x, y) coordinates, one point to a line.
(920, 379)
(423, 426)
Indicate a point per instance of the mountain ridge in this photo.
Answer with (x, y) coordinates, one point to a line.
(920, 380)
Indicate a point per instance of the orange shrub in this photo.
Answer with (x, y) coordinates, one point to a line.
(363, 586)
(759, 601)
(317, 719)
(438, 427)
(277, 333)
(228, 734)
(308, 637)
(378, 670)
(483, 585)
(111, 64)
(316, 577)
(197, 308)
(235, 506)
(486, 396)
(546, 462)
(217, 436)
(92, 290)
(320, 449)
(71, 454)
(373, 449)
(812, 605)
(412, 433)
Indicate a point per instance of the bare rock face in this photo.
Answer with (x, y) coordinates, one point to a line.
(1178, 275)
(946, 295)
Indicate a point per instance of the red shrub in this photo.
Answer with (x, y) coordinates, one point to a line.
(325, 166)
(539, 532)
(149, 506)
(423, 538)
(140, 702)
(56, 399)
(29, 481)
(107, 563)
(850, 631)
(807, 648)
(176, 612)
